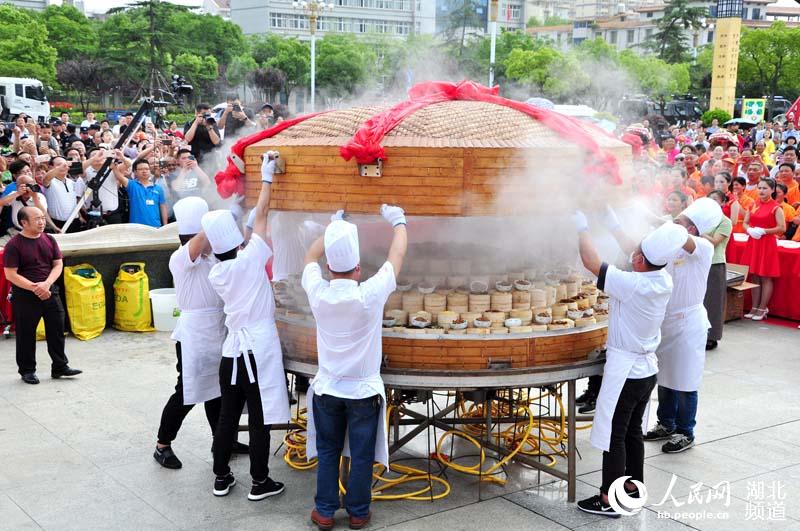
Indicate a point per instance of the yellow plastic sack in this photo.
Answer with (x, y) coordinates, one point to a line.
(86, 301)
(132, 311)
(40, 331)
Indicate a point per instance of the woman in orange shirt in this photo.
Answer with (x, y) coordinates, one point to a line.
(789, 213)
(738, 204)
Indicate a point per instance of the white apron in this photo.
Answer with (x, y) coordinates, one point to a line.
(381, 439)
(201, 333)
(682, 352)
(617, 368)
(262, 340)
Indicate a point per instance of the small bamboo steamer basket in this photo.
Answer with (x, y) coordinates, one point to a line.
(561, 291)
(584, 321)
(394, 302)
(413, 301)
(498, 331)
(458, 309)
(539, 328)
(400, 316)
(521, 297)
(435, 302)
(460, 332)
(551, 292)
(526, 316)
(457, 299)
(572, 288)
(478, 331)
(523, 329)
(501, 301)
(559, 310)
(583, 303)
(479, 302)
(446, 318)
(496, 317)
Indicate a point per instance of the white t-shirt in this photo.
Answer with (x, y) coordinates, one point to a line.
(689, 274)
(60, 198)
(17, 205)
(109, 192)
(192, 287)
(349, 338)
(637, 305)
(244, 287)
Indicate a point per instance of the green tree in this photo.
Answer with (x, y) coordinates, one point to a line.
(769, 61)
(534, 22)
(546, 70)
(475, 61)
(656, 77)
(72, 34)
(287, 54)
(669, 41)
(200, 71)
(460, 17)
(86, 79)
(343, 64)
(719, 114)
(238, 69)
(26, 50)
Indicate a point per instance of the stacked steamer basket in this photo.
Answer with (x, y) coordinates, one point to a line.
(459, 160)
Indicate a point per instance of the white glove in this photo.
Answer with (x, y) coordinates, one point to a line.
(755, 232)
(338, 215)
(267, 170)
(580, 221)
(393, 214)
(611, 219)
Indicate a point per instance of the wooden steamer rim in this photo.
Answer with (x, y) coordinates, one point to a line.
(453, 158)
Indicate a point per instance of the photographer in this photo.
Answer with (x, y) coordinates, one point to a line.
(29, 194)
(235, 118)
(61, 194)
(202, 133)
(109, 191)
(266, 116)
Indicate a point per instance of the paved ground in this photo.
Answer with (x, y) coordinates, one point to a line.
(77, 454)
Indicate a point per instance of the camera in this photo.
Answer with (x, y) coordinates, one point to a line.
(166, 141)
(180, 89)
(34, 188)
(209, 118)
(76, 168)
(237, 107)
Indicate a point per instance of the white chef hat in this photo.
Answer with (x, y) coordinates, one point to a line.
(341, 246)
(663, 243)
(188, 213)
(222, 231)
(705, 213)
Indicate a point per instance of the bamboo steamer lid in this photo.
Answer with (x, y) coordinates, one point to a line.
(500, 330)
(539, 328)
(559, 310)
(524, 329)
(478, 331)
(461, 332)
(395, 301)
(561, 291)
(400, 316)
(584, 321)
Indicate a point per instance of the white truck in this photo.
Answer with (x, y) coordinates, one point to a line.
(23, 95)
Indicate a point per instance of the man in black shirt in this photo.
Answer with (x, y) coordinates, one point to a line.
(202, 133)
(32, 263)
(236, 118)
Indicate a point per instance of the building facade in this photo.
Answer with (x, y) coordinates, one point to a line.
(633, 28)
(38, 5)
(395, 18)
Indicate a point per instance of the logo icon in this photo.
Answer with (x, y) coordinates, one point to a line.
(621, 502)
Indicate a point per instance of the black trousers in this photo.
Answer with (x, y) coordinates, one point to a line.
(175, 410)
(626, 451)
(594, 385)
(234, 397)
(28, 310)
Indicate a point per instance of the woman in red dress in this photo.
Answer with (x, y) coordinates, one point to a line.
(763, 222)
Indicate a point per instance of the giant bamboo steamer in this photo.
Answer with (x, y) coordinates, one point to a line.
(457, 159)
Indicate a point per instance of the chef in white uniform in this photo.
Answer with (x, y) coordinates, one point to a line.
(347, 402)
(638, 302)
(251, 370)
(198, 334)
(682, 353)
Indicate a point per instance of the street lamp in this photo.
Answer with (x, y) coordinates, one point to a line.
(493, 8)
(313, 9)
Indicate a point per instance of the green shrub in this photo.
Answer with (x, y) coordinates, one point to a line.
(719, 114)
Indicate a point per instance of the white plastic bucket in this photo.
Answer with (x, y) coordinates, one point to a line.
(165, 309)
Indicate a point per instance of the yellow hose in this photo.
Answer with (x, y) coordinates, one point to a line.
(517, 438)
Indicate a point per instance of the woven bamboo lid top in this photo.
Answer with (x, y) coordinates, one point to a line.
(458, 123)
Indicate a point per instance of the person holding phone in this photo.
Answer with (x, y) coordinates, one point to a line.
(59, 190)
(190, 179)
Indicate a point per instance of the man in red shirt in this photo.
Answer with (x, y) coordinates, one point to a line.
(33, 263)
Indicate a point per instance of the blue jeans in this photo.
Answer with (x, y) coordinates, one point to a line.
(677, 410)
(333, 417)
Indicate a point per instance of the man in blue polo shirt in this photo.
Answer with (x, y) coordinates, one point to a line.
(147, 201)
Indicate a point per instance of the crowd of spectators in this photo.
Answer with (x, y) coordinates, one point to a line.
(48, 165)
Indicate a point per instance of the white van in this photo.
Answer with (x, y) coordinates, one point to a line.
(23, 95)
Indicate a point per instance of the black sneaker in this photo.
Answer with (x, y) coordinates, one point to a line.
(711, 344)
(585, 397)
(588, 407)
(223, 484)
(595, 505)
(265, 489)
(678, 443)
(66, 371)
(167, 458)
(659, 433)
